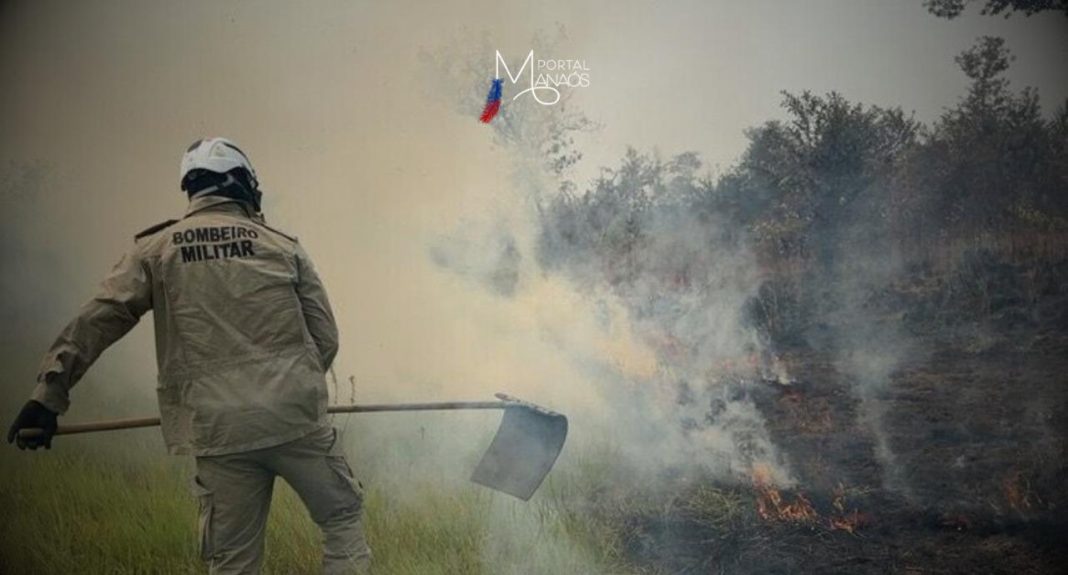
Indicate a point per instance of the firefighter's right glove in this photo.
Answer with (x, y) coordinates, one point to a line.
(34, 415)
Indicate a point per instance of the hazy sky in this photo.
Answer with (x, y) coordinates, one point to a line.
(368, 162)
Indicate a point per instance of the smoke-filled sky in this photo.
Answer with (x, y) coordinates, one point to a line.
(364, 155)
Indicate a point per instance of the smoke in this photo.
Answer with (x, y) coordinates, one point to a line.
(658, 332)
(866, 339)
(491, 260)
(36, 288)
(457, 270)
(867, 352)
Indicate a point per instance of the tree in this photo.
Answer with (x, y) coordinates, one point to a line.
(952, 8)
(990, 161)
(808, 173)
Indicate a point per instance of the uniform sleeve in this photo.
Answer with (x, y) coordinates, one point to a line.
(317, 313)
(123, 297)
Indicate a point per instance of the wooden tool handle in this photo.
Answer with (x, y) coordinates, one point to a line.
(109, 425)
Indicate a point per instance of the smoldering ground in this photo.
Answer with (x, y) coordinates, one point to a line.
(716, 309)
(458, 270)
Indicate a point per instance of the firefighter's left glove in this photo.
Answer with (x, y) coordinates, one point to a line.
(34, 415)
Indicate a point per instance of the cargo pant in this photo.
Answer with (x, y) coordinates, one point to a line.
(234, 492)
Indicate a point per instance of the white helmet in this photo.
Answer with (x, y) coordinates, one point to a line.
(217, 155)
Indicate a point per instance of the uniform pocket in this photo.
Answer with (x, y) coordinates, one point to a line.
(340, 466)
(206, 500)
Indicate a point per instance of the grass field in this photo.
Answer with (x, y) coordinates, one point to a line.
(114, 503)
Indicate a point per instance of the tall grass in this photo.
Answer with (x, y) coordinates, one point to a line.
(116, 504)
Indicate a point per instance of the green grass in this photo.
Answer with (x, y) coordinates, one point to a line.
(114, 503)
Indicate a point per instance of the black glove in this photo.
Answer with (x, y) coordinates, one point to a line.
(34, 415)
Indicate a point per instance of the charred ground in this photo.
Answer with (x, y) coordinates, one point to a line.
(890, 297)
(976, 428)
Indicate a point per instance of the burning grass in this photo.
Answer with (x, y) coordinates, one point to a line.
(976, 486)
(773, 506)
(981, 500)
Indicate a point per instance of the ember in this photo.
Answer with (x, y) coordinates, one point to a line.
(771, 506)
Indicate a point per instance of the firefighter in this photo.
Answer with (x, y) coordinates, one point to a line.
(244, 337)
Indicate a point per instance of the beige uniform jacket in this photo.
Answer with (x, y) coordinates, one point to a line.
(244, 331)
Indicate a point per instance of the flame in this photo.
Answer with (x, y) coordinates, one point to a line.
(772, 506)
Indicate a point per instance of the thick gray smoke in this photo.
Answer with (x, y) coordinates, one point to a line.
(659, 330)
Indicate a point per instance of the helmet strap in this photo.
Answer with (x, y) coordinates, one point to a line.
(230, 180)
(227, 188)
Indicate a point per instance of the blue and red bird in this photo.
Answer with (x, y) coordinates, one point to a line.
(493, 101)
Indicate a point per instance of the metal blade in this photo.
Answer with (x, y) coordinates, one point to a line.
(524, 450)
